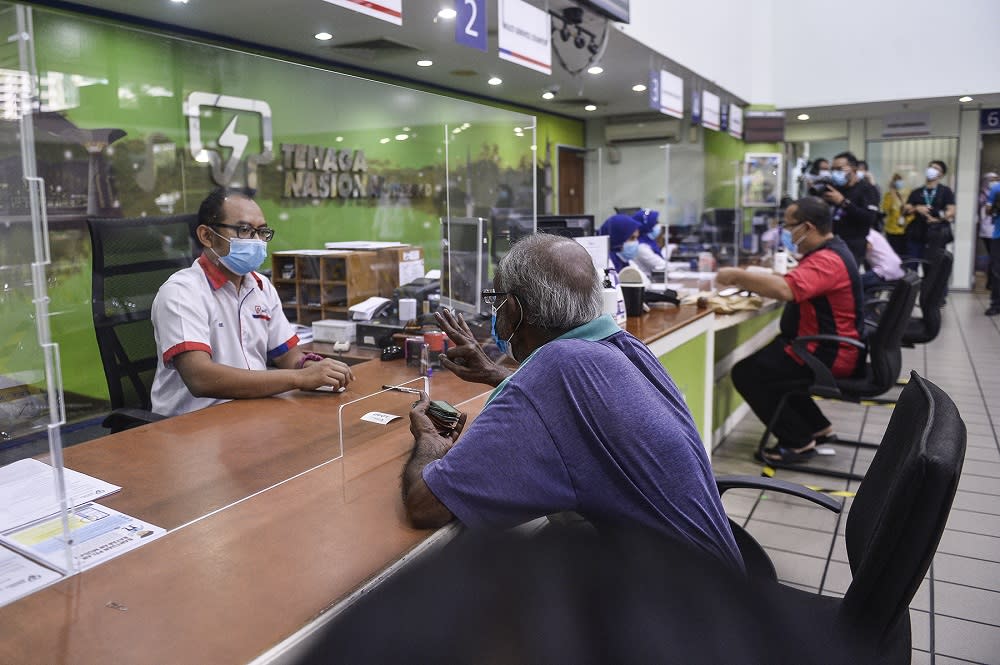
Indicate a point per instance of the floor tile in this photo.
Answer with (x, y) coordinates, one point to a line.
(964, 570)
(797, 568)
(980, 484)
(920, 630)
(965, 602)
(966, 639)
(971, 545)
(963, 520)
(790, 539)
(980, 503)
(945, 660)
(737, 505)
(801, 514)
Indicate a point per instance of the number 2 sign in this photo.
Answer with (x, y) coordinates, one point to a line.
(470, 24)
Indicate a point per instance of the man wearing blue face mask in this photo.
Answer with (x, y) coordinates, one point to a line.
(560, 433)
(854, 204)
(218, 322)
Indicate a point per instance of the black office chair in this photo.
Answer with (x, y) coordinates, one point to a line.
(932, 294)
(131, 260)
(894, 526)
(882, 369)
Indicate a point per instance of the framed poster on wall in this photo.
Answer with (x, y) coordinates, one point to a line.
(761, 185)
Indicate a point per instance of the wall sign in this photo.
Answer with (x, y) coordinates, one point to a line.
(666, 93)
(387, 10)
(525, 34)
(315, 172)
(989, 120)
(735, 128)
(470, 24)
(232, 137)
(906, 124)
(710, 110)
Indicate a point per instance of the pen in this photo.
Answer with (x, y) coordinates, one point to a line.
(402, 389)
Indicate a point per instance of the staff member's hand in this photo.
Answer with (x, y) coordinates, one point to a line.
(466, 359)
(421, 425)
(326, 372)
(729, 276)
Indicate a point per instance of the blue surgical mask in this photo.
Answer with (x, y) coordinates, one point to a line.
(502, 344)
(655, 233)
(629, 250)
(245, 255)
(839, 177)
(899, 184)
(786, 241)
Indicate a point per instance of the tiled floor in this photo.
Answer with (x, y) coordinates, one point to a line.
(955, 615)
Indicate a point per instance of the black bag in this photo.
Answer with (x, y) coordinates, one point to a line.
(939, 235)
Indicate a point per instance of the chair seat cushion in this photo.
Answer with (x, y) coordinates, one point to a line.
(861, 386)
(916, 332)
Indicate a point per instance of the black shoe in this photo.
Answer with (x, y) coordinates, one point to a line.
(993, 310)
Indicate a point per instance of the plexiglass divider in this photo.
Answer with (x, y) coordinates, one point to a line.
(329, 158)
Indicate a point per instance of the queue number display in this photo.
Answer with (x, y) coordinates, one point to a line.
(470, 23)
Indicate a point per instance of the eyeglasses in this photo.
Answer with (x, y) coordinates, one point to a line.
(490, 297)
(246, 231)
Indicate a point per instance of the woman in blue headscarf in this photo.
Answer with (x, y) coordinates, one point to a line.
(623, 232)
(648, 258)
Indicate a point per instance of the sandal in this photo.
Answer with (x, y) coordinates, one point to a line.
(785, 455)
(827, 438)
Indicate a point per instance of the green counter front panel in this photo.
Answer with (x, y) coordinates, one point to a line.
(728, 341)
(686, 366)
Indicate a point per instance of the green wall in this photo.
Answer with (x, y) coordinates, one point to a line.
(721, 150)
(106, 75)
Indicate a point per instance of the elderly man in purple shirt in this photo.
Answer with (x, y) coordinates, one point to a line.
(590, 422)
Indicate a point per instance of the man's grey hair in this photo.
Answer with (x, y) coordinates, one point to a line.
(555, 295)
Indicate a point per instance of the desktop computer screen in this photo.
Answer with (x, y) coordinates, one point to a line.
(570, 226)
(464, 263)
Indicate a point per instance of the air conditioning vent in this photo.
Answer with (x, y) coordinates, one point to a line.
(372, 49)
(665, 129)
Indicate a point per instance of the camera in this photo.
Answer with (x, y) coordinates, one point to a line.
(818, 185)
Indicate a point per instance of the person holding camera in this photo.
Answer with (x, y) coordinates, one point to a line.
(854, 203)
(933, 210)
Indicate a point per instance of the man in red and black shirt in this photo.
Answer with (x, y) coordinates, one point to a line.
(824, 298)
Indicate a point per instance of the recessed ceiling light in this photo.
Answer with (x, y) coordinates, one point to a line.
(596, 69)
(180, 2)
(424, 63)
(589, 107)
(639, 87)
(385, 140)
(548, 94)
(406, 129)
(323, 36)
(495, 80)
(339, 139)
(402, 137)
(803, 116)
(447, 14)
(965, 99)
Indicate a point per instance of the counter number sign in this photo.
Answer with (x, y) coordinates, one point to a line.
(989, 120)
(470, 23)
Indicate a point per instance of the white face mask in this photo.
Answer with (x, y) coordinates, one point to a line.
(932, 173)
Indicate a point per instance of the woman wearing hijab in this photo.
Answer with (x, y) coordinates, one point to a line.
(623, 232)
(648, 258)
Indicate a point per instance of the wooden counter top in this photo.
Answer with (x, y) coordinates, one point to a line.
(660, 321)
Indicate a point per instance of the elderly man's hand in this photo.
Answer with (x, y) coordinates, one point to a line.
(729, 276)
(466, 358)
(421, 424)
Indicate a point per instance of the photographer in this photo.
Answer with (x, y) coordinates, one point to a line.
(854, 204)
(817, 178)
(933, 210)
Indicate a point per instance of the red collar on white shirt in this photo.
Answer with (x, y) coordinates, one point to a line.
(217, 277)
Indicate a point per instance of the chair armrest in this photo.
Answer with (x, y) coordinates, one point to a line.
(775, 485)
(120, 420)
(824, 384)
(915, 261)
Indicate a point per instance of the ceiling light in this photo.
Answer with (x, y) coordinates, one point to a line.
(402, 137)
(385, 140)
(548, 94)
(965, 99)
(495, 80)
(596, 69)
(323, 36)
(447, 14)
(424, 63)
(457, 130)
(180, 2)
(803, 116)
(466, 125)
(639, 87)
(406, 129)
(339, 139)
(589, 107)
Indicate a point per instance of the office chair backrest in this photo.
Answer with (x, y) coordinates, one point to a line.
(932, 294)
(885, 340)
(131, 259)
(901, 507)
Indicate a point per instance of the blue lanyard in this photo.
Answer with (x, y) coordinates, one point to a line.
(929, 201)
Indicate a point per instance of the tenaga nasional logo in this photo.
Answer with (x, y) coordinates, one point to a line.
(232, 137)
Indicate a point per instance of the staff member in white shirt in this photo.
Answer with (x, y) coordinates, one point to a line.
(218, 322)
(885, 265)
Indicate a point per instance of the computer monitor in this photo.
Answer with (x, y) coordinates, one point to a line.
(464, 263)
(570, 226)
(629, 211)
(508, 225)
(718, 225)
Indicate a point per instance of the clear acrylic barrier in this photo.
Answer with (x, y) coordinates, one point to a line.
(330, 157)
